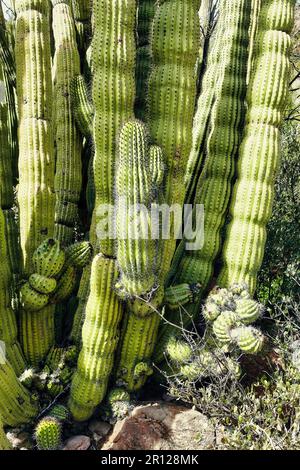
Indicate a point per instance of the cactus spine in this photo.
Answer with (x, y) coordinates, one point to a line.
(68, 143)
(251, 201)
(113, 36)
(99, 340)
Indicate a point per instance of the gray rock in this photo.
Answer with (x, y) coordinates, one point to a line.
(77, 443)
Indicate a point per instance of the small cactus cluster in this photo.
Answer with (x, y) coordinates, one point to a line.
(48, 434)
(229, 314)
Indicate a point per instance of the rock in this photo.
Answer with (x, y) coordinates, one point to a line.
(77, 443)
(162, 426)
(19, 440)
(99, 429)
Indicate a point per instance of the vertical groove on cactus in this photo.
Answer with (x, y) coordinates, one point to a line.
(175, 43)
(36, 195)
(16, 404)
(8, 324)
(146, 10)
(214, 185)
(99, 340)
(67, 181)
(251, 201)
(114, 65)
(81, 106)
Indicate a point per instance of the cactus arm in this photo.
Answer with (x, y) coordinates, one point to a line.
(8, 324)
(16, 404)
(214, 185)
(251, 201)
(68, 142)
(146, 10)
(81, 106)
(99, 340)
(36, 155)
(136, 253)
(113, 26)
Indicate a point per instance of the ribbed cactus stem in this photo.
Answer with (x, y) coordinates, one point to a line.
(81, 106)
(82, 10)
(146, 10)
(99, 340)
(214, 185)
(66, 66)
(251, 201)
(138, 343)
(114, 36)
(175, 43)
(8, 324)
(16, 404)
(36, 155)
(136, 249)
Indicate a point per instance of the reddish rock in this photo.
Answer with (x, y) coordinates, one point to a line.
(162, 426)
(77, 443)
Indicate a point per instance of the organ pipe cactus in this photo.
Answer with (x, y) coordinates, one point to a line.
(251, 201)
(66, 66)
(99, 340)
(81, 106)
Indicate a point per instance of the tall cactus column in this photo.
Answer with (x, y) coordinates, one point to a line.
(113, 91)
(68, 142)
(172, 93)
(214, 184)
(113, 65)
(251, 202)
(99, 338)
(36, 195)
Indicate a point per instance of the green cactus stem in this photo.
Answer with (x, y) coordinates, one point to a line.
(146, 11)
(79, 254)
(37, 333)
(42, 284)
(175, 43)
(248, 311)
(82, 295)
(36, 155)
(49, 258)
(17, 406)
(59, 412)
(137, 250)
(4, 442)
(8, 323)
(81, 106)
(179, 351)
(48, 434)
(99, 340)
(68, 142)
(214, 185)
(36, 195)
(114, 34)
(251, 201)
